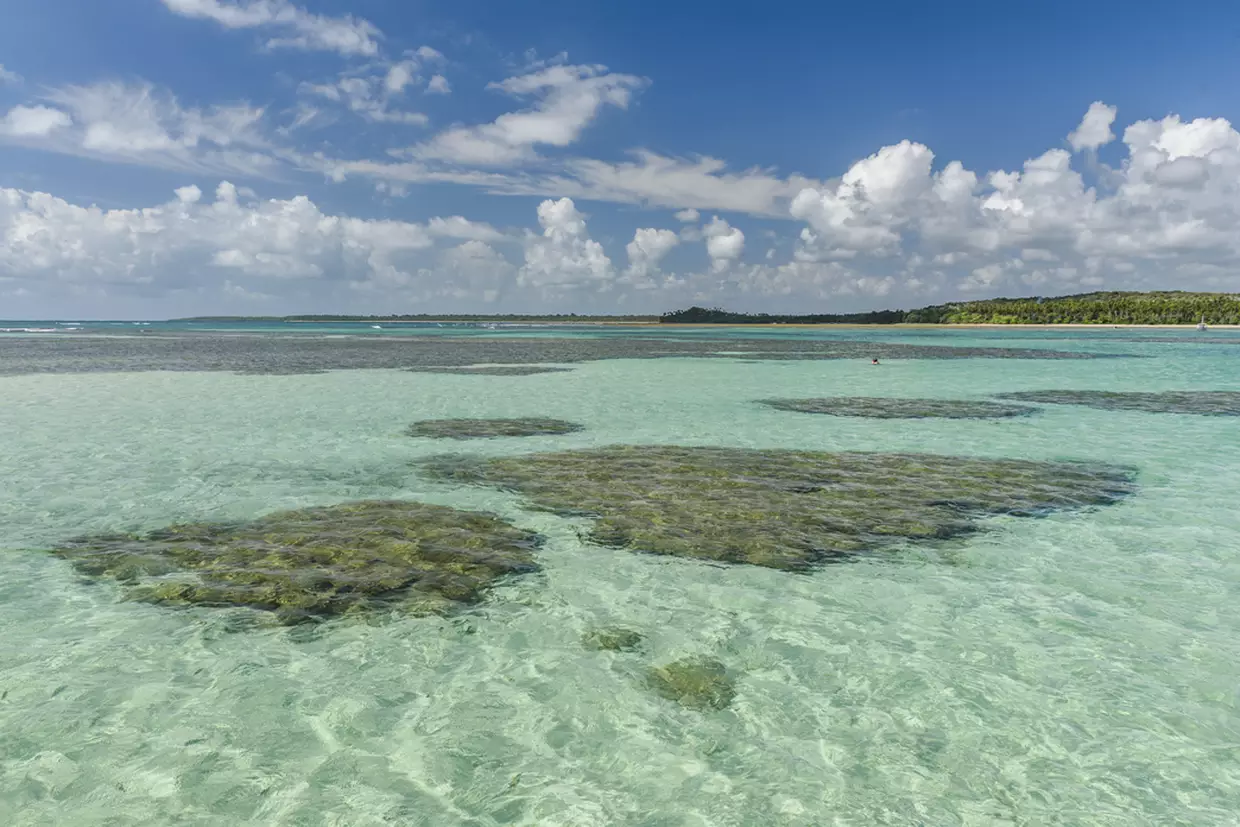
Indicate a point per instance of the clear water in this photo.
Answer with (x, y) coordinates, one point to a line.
(1080, 669)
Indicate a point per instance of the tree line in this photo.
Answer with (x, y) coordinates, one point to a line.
(1163, 307)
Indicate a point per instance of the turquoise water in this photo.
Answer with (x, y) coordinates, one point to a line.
(1080, 669)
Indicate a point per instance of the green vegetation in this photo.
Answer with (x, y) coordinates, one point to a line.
(1157, 307)
(1173, 307)
(695, 682)
(485, 428)
(1164, 307)
(886, 408)
(1204, 403)
(782, 509)
(612, 639)
(316, 562)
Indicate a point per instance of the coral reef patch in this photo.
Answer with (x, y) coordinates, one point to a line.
(893, 408)
(780, 508)
(1202, 403)
(314, 563)
(696, 682)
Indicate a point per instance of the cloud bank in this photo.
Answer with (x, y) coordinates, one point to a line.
(900, 226)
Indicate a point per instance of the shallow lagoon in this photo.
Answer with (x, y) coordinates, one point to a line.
(1079, 669)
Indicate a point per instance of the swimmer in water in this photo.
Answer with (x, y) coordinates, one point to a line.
(873, 361)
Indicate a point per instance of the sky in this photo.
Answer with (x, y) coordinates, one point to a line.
(164, 158)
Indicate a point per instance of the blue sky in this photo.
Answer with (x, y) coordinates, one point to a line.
(171, 157)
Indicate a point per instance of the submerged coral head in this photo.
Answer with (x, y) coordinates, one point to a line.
(316, 562)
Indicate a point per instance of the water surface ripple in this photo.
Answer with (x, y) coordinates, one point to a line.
(1078, 669)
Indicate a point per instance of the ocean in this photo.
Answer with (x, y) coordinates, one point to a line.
(1069, 665)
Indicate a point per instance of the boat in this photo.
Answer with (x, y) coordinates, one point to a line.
(1201, 325)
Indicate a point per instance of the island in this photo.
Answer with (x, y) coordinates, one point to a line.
(1169, 307)
(1162, 307)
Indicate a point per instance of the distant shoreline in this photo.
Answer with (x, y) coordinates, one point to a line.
(555, 322)
(696, 325)
(767, 325)
(703, 325)
(931, 326)
(1087, 326)
(1108, 309)
(656, 323)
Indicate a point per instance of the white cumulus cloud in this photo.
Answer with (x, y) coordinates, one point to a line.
(647, 249)
(48, 243)
(33, 122)
(188, 194)
(724, 243)
(1167, 217)
(564, 255)
(399, 75)
(1095, 128)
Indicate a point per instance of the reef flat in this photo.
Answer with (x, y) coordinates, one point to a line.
(1201, 403)
(315, 562)
(294, 353)
(891, 408)
(782, 509)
